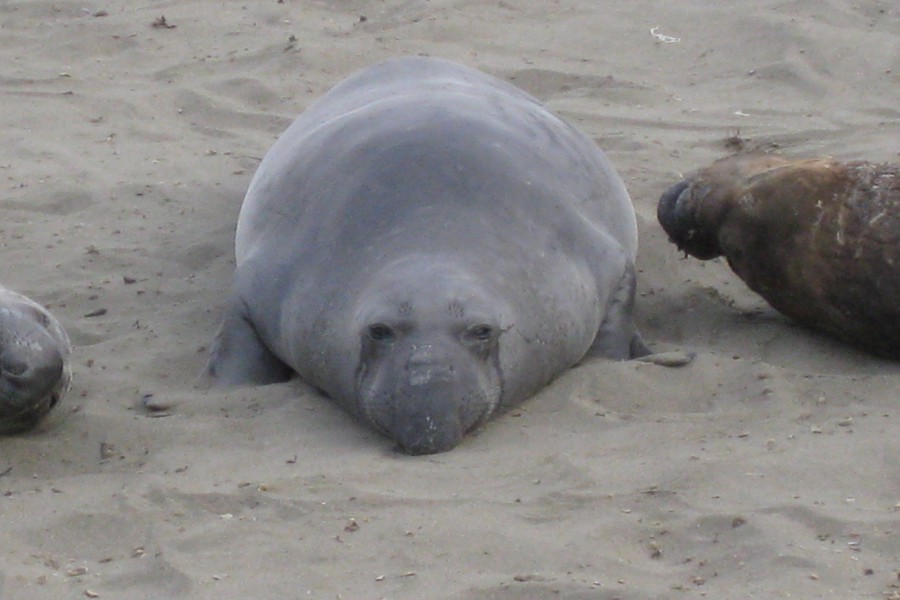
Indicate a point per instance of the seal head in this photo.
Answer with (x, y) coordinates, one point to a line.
(429, 364)
(816, 238)
(34, 367)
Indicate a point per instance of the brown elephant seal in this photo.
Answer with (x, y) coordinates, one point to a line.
(818, 239)
(35, 370)
(426, 244)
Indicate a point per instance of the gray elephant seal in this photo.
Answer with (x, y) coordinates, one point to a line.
(425, 244)
(35, 371)
(817, 238)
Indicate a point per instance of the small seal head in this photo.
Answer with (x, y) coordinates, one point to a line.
(34, 369)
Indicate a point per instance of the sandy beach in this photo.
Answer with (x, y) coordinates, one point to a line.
(767, 468)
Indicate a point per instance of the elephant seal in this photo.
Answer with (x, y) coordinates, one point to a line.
(818, 239)
(35, 370)
(425, 244)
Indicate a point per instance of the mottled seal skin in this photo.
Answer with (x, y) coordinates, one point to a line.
(817, 238)
(426, 244)
(35, 370)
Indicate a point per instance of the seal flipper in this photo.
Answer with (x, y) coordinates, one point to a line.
(618, 337)
(239, 356)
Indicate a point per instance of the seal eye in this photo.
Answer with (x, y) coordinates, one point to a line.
(480, 332)
(379, 332)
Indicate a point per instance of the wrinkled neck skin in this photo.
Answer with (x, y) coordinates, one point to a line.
(428, 369)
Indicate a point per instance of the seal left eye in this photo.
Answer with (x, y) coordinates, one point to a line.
(481, 333)
(380, 332)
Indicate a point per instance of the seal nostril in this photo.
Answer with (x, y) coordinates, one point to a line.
(381, 332)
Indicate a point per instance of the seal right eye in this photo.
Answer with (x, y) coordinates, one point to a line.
(379, 332)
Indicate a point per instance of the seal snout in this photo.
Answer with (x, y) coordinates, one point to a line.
(426, 391)
(428, 434)
(667, 209)
(424, 368)
(678, 217)
(426, 415)
(427, 420)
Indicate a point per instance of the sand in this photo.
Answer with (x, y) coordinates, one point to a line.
(767, 468)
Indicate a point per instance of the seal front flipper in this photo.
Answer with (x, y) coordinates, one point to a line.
(239, 356)
(618, 337)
